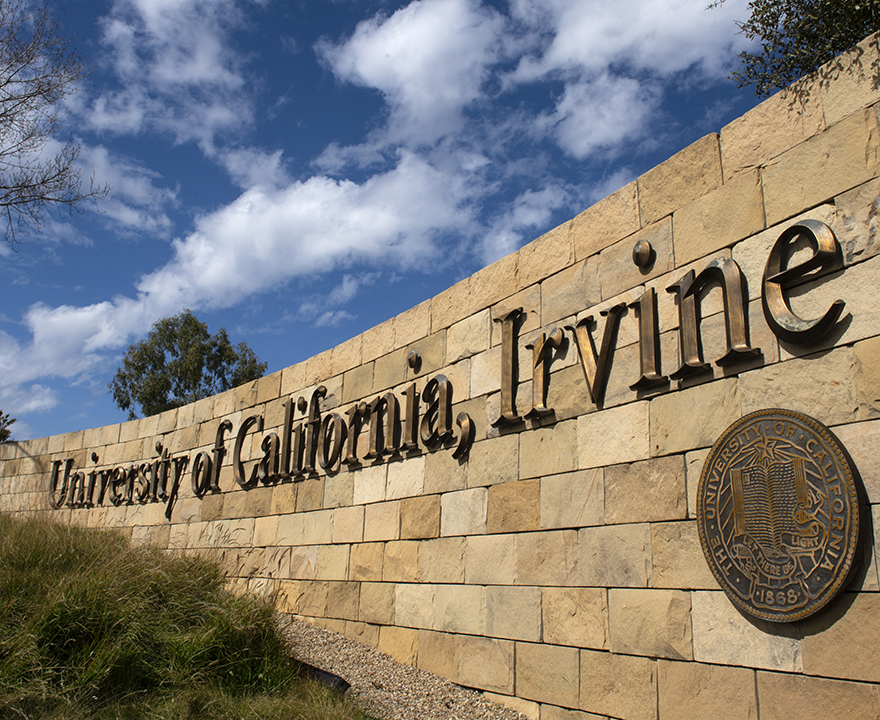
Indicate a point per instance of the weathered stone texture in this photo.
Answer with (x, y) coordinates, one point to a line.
(654, 623)
(687, 175)
(620, 686)
(693, 691)
(804, 176)
(646, 491)
(548, 673)
(795, 697)
(575, 616)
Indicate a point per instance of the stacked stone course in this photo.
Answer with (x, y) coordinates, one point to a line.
(558, 566)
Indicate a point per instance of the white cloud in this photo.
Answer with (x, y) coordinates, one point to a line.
(178, 70)
(529, 212)
(429, 60)
(261, 240)
(137, 204)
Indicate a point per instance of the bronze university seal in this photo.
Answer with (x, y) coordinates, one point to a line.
(778, 514)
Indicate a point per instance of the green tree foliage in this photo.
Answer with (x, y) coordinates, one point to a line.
(38, 70)
(5, 422)
(179, 362)
(798, 36)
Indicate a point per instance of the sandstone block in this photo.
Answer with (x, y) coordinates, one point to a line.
(318, 527)
(406, 478)
(793, 385)
(451, 305)
(414, 606)
(723, 636)
(855, 222)
(412, 325)
(370, 484)
(575, 616)
(346, 355)
(363, 633)
(617, 271)
(332, 563)
(843, 156)
(569, 291)
(432, 352)
(420, 517)
(443, 560)
(400, 643)
(549, 450)
(342, 600)
(460, 609)
(548, 254)
(531, 710)
(463, 512)
(551, 712)
(692, 691)
(615, 555)
(861, 441)
(366, 562)
(678, 560)
(266, 531)
(486, 663)
(513, 613)
(780, 122)
(514, 507)
(720, 218)
(494, 282)
(378, 340)
(468, 337)
(291, 529)
(654, 623)
(443, 473)
(548, 558)
(377, 603)
(401, 561)
(646, 491)
(795, 697)
(310, 494)
(609, 220)
(389, 370)
(849, 623)
(850, 80)
(494, 461)
(612, 436)
(438, 654)
(382, 521)
(573, 500)
(303, 564)
(311, 598)
(621, 686)
(548, 673)
(675, 427)
(338, 490)
(687, 175)
(357, 383)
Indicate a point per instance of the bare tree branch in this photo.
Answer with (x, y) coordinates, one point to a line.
(38, 70)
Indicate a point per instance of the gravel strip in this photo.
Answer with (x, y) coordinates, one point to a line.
(384, 687)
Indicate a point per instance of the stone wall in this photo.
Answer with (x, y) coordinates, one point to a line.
(555, 562)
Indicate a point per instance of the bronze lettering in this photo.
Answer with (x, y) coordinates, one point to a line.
(597, 366)
(509, 326)
(645, 309)
(542, 356)
(237, 464)
(827, 257)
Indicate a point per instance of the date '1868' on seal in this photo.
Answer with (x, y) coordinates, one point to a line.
(778, 514)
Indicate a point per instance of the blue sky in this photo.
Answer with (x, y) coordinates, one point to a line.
(297, 171)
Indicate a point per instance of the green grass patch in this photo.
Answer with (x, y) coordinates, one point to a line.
(91, 627)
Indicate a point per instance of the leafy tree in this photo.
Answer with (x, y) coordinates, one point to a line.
(798, 36)
(38, 70)
(177, 363)
(5, 422)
